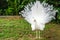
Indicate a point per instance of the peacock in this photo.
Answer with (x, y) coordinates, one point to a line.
(38, 14)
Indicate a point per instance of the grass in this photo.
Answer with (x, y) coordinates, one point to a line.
(19, 29)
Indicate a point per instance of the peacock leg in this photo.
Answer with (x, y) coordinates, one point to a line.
(36, 33)
(39, 34)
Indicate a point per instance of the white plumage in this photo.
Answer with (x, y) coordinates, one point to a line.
(38, 14)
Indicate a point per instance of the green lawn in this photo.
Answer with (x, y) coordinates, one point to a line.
(19, 29)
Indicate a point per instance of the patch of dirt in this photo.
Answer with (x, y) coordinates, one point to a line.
(10, 17)
(52, 33)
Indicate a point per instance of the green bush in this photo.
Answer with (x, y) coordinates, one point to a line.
(14, 6)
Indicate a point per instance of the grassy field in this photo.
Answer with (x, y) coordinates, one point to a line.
(19, 29)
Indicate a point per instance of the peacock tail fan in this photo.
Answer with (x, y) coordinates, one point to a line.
(42, 13)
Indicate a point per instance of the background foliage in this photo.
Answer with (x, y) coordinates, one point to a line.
(13, 7)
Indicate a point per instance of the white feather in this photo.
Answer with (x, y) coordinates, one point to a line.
(38, 14)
